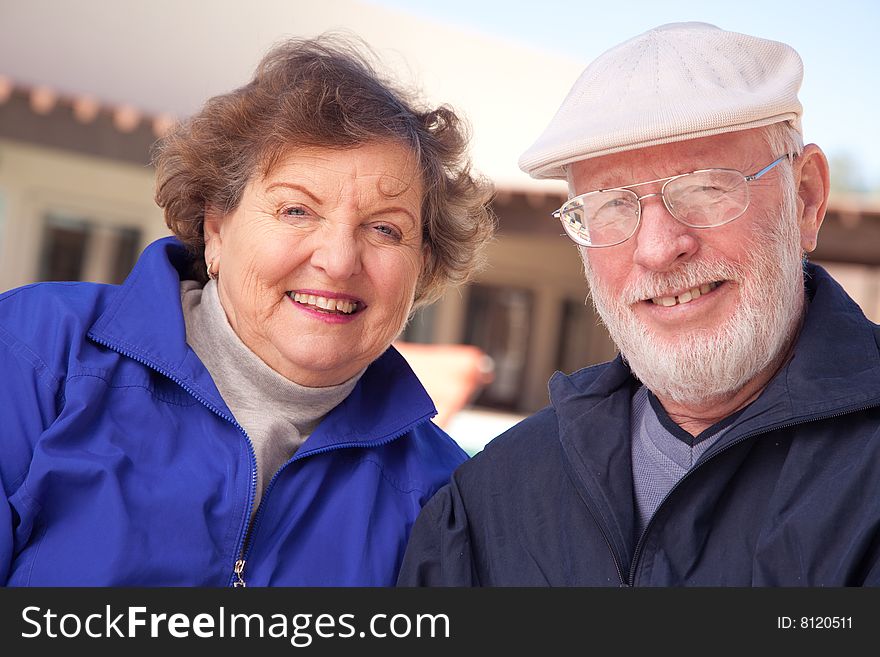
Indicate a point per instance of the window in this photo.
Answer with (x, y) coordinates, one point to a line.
(77, 249)
(64, 248)
(499, 322)
(421, 327)
(583, 340)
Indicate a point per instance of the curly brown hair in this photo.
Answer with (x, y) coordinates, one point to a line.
(324, 92)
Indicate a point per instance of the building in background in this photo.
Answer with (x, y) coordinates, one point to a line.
(76, 187)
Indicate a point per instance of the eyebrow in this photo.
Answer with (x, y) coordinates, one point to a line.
(399, 210)
(298, 188)
(304, 190)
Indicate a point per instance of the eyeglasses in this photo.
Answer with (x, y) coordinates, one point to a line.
(700, 199)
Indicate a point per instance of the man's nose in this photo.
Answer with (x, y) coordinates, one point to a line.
(662, 242)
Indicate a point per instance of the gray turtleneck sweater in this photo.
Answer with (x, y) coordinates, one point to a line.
(277, 414)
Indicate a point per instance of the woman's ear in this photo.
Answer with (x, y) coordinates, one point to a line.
(812, 183)
(211, 232)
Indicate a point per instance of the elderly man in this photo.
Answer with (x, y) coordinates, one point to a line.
(736, 439)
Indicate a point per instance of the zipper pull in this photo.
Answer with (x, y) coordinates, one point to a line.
(239, 567)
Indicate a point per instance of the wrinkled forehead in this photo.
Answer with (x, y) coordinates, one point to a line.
(386, 168)
(742, 150)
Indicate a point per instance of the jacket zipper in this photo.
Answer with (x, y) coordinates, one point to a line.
(238, 570)
(236, 579)
(741, 439)
(574, 478)
(244, 545)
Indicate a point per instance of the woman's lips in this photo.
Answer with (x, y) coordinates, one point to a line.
(327, 303)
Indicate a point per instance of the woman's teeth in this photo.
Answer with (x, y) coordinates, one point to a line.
(344, 306)
(685, 297)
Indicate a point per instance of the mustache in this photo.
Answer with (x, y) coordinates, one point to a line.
(688, 275)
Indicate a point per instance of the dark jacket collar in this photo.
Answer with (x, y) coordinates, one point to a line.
(144, 321)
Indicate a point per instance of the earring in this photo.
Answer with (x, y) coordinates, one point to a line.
(211, 273)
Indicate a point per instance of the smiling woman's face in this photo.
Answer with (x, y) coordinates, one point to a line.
(319, 263)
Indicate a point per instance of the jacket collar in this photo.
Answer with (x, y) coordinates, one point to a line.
(836, 361)
(144, 321)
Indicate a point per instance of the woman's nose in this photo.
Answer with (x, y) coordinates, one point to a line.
(662, 242)
(338, 252)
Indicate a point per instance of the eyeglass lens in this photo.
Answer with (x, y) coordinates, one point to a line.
(712, 197)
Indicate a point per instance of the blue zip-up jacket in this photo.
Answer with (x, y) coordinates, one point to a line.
(789, 496)
(122, 466)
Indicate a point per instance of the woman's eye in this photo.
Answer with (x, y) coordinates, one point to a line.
(387, 231)
(295, 213)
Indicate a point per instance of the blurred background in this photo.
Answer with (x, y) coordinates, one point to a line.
(87, 86)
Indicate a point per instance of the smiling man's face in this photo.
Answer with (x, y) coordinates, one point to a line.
(699, 312)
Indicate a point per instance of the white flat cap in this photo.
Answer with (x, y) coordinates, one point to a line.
(675, 82)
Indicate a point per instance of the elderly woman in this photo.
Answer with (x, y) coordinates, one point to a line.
(234, 413)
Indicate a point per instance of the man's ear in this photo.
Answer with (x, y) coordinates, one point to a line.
(811, 177)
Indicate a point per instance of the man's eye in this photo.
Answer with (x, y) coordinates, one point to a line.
(704, 190)
(614, 207)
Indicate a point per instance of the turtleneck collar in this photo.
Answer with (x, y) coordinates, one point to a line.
(277, 413)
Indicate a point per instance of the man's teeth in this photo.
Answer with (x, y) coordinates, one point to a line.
(685, 297)
(331, 305)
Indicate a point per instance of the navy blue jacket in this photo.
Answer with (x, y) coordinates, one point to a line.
(789, 496)
(121, 465)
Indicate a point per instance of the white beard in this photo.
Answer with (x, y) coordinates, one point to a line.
(711, 364)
